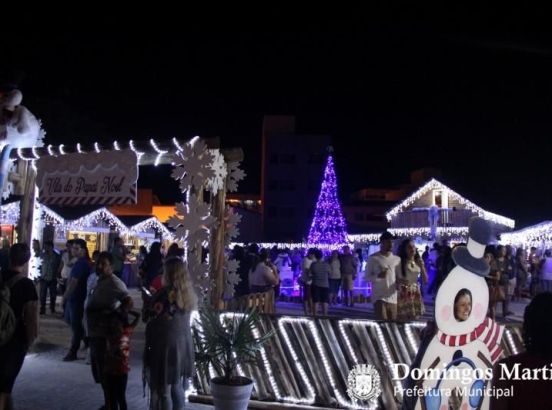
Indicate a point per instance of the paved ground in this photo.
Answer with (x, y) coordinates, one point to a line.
(48, 383)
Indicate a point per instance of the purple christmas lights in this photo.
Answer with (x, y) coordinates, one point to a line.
(328, 225)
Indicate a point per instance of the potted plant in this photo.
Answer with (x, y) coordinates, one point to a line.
(224, 343)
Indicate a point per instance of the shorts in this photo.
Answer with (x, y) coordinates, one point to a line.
(335, 285)
(320, 294)
(347, 282)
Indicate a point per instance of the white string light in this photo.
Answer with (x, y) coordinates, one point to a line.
(52, 217)
(152, 224)
(97, 147)
(116, 146)
(93, 218)
(383, 345)
(50, 150)
(21, 156)
(159, 151)
(79, 150)
(10, 213)
(133, 148)
(61, 150)
(295, 359)
(434, 184)
(510, 340)
(176, 144)
(35, 152)
(539, 235)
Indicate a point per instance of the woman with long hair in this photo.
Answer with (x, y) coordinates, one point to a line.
(169, 351)
(410, 304)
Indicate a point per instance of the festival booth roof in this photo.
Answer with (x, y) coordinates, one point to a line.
(10, 211)
(144, 223)
(535, 235)
(433, 184)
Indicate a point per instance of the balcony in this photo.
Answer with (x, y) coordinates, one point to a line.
(418, 218)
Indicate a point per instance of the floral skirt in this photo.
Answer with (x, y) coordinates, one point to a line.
(410, 304)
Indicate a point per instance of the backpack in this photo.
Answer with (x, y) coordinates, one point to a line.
(8, 321)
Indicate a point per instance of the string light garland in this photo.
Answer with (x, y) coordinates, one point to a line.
(92, 219)
(10, 213)
(536, 235)
(152, 224)
(159, 151)
(434, 184)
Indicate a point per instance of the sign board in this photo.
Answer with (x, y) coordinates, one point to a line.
(104, 178)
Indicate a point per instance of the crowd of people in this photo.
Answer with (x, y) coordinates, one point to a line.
(97, 305)
(100, 311)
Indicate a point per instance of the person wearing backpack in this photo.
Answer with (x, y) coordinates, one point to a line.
(23, 305)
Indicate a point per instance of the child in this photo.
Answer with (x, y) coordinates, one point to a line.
(116, 366)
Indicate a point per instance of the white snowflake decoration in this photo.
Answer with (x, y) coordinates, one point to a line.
(193, 165)
(200, 275)
(34, 266)
(235, 174)
(232, 277)
(9, 187)
(216, 183)
(231, 220)
(192, 221)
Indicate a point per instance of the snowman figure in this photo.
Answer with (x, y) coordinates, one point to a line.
(467, 343)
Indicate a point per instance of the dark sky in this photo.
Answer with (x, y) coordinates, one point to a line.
(394, 97)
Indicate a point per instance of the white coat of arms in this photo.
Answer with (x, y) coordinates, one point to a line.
(364, 382)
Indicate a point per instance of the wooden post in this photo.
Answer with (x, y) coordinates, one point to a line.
(216, 248)
(26, 207)
(216, 254)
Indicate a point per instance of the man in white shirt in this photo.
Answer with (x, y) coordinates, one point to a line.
(380, 270)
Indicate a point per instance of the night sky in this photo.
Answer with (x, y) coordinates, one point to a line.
(394, 97)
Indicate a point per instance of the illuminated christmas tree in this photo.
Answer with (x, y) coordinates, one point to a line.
(328, 225)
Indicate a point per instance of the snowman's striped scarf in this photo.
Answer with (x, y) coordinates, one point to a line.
(488, 331)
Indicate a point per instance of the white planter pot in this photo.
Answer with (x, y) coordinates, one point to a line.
(227, 397)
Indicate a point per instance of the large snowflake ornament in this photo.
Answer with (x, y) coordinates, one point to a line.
(235, 174)
(216, 182)
(200, 275)
(192, 221)
(232, 277)
(9, 187)
(193, 165)
(231, 221)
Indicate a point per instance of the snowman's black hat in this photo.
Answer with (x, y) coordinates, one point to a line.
(471, 256)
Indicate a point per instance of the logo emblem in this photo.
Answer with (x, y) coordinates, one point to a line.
(364, 382)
